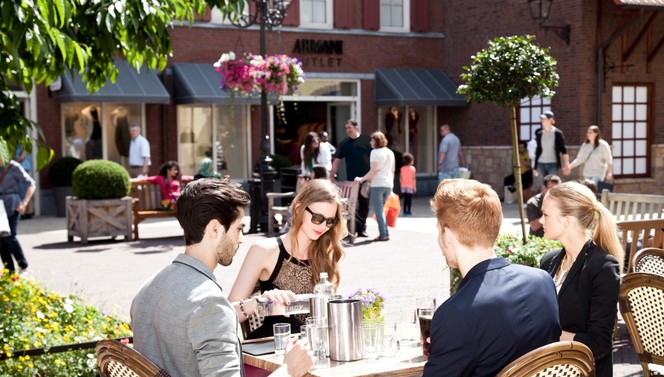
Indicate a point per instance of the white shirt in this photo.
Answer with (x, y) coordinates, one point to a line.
(384, 177)
(139, 148)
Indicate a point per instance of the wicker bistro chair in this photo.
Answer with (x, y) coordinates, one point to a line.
(115, 359)
(649, 260)
(561, 359)
(641, 303)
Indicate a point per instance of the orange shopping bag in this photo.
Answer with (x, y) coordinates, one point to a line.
(392, 208)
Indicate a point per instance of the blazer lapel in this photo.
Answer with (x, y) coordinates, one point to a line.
(577, 266)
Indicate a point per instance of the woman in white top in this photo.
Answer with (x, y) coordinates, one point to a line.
(595, 155)
(312, 153)
(381, 175)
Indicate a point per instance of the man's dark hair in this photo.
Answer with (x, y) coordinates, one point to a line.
(207, 199)
(353, 122)
(552, 178)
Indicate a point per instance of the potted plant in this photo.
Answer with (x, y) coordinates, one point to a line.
(101, 205)
(59, 174)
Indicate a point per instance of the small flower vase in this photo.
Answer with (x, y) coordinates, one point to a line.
(374, 321)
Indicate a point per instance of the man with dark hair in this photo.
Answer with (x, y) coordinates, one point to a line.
(500, 311)
(534, 206)
(181, 319)
(356, 150)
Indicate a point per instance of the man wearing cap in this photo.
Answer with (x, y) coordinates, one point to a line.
(551, 153)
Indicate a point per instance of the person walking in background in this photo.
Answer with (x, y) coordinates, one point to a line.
(206, 169)
(534, 206)
(551, 153)
(25, 159)
(408, 182)
(586, 271)
(381, 175)
(526, 171)
(12, 177)
(290, 264)
(181, 319)
(139, 152)
(355, 150)
(168, 180)
(501, 310)
(450, 156)
(595, 156)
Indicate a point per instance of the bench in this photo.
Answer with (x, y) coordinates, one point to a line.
(349, 191)
(633, 206)
(146, 203)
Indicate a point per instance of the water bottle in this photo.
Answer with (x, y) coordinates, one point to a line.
(323, 292)
(299, 305)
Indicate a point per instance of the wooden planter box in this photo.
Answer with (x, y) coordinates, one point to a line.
(99, 218)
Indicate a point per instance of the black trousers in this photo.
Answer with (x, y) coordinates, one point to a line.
(361, 213)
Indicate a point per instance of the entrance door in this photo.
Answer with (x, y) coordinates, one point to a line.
(338, 114)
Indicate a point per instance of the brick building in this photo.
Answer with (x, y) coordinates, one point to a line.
(363, 57)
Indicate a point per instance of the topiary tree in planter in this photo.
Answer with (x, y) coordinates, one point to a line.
(59, 174)
(102, 206)
(101, 179)
(509, 70)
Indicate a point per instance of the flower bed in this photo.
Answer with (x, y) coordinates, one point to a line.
(33, 318)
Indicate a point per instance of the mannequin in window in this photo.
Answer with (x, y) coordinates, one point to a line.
(413, 118)
(120, 118)
(94, 147)
(392, 121)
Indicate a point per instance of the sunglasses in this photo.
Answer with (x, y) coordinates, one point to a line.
(318, 219)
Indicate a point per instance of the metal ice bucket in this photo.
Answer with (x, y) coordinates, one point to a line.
(345, 327)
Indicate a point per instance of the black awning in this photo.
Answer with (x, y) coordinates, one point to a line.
(413, 86)
(200, 83)
(131, 86)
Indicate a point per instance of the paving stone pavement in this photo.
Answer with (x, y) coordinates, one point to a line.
(108, 273)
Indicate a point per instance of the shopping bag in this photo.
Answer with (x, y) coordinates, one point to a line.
(392, 208)
(4, 222)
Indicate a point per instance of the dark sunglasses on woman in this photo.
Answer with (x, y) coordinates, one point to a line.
(318, 219)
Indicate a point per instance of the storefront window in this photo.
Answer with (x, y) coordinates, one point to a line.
(219, 132)
(99, 131)
(411, 129)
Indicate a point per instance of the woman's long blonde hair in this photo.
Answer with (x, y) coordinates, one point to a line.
(577, 200)
(324, 253)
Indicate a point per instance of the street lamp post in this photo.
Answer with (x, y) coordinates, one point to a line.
(269, 13)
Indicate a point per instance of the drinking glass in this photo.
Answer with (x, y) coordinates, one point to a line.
(372, 333)
(425, 315)
(388, 345)
(407, 329)
(303, 334)
(317, 334)
(425, 303)
(282, 332)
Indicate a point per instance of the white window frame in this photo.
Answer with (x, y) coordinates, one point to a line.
(406, 18)
(630, 130)
(329, 17)
(216, 17)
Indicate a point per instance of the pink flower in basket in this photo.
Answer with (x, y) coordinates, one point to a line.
(279, 74)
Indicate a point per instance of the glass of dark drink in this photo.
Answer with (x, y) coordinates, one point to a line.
(425, 315)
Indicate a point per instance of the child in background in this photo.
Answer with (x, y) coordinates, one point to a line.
(408, 182)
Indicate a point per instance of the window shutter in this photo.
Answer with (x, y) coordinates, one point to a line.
(419, 19)
(371, 14)
(293, 14)
(343, 14)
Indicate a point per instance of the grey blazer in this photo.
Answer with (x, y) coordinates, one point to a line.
(183, 322)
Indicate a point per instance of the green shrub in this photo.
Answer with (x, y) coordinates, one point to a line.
(279, 162)
(60, 173)
(33, 318)
(511, 247)
(100, 179)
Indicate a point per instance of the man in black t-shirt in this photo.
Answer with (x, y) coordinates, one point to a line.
(355, 149)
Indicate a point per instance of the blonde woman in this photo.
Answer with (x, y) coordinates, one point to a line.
(290, 264)
(586, 272)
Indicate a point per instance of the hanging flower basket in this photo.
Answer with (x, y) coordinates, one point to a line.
(249, 74)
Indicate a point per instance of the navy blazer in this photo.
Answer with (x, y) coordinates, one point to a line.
(588, 300)
(500, 312)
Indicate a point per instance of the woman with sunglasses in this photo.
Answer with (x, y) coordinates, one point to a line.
(290, 264)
